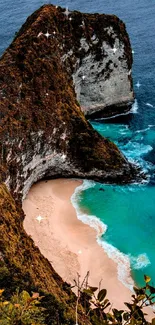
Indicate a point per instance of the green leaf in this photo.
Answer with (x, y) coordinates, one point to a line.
(152, 290)
(128, 305)
(117, 312)
(140, 313)
(88, 292)
(147, 278)
(25, 296)
(1, 291)
(138, 291)
(126, 316)
(93, 289)
(106, 301)
(110, 316)
(141, 297)
(102, 294)
(106, 305)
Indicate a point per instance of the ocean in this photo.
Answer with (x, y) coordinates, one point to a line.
(126, 213)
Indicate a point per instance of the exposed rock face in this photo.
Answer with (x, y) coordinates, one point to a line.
(102, 60)
(43, 132)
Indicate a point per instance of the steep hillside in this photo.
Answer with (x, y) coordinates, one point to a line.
(43, 133)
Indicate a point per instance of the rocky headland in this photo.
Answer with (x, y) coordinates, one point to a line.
(54, 65)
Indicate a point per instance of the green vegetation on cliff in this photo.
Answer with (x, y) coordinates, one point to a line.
(23, 309)
(43, 133)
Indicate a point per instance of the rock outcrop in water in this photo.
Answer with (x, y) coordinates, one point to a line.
(43, 131)
(102, 69)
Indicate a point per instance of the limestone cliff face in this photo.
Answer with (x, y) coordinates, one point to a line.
(43, 132)
(100, 59)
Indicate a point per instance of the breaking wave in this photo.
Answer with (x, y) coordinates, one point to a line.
(140, 262)
(133, 110)
(123, 261)
(90, 220)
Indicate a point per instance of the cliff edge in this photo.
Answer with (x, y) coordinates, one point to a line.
(95, 50)
(44, 133)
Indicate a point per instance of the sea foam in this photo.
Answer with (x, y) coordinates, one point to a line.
(136, 150)
(90, 220)
(133, 110)
(140, 262)
(123, 261)
(148, 104)
(146, 129)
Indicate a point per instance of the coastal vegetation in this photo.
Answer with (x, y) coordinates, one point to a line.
(41, 119)
(91, 306)
(21, 309)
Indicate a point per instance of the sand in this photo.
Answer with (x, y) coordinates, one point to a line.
(68, 243)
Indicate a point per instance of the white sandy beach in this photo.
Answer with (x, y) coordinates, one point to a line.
(66, 242)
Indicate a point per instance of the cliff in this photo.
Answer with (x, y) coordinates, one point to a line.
(23, 266)
(95, 50)
(99, 58)
(44, 133)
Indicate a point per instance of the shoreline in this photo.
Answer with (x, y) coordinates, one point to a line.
(121, 260)
(68, 243)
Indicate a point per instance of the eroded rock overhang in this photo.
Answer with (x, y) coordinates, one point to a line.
(43, 131)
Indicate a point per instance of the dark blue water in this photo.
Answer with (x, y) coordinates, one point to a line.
(128, 211)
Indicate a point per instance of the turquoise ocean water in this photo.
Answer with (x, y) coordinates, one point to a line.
(126, 213)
